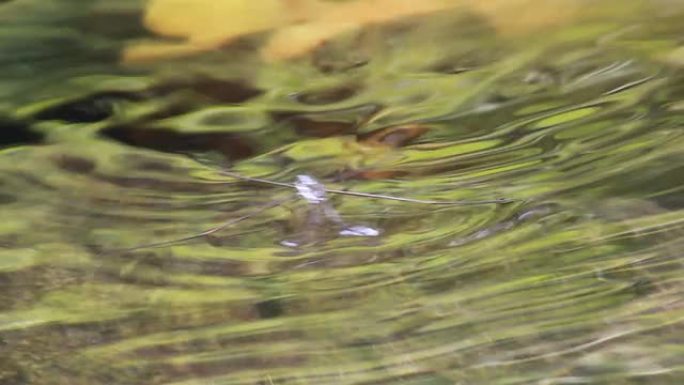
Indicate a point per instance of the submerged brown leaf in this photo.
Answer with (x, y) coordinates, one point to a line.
(393, 137)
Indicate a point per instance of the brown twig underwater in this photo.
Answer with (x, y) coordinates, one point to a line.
(204, 233)
(371, 195)
(202, 160)
(313, 192)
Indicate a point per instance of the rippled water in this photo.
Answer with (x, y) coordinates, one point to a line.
(577, 280)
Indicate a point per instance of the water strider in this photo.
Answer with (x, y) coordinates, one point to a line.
(320, 211)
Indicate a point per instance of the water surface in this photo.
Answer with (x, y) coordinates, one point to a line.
(577, 280)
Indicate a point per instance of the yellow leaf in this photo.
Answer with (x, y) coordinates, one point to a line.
(302, 25)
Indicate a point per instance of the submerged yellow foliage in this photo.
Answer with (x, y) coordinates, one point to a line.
(299, 26)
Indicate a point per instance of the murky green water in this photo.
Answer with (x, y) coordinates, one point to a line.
(579, 280)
